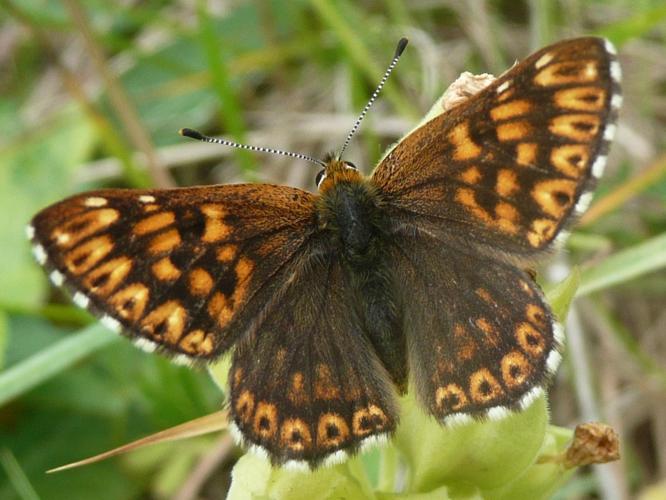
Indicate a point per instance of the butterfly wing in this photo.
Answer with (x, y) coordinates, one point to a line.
(306, 385)
(473, 191)
(481, 338)
(507, 168)
(183, 270)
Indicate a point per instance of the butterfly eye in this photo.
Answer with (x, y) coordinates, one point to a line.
(320, 177)
(350, 165)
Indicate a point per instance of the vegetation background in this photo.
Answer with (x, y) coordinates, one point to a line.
(93, 93)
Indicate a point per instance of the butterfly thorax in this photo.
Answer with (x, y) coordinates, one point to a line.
(349, 211)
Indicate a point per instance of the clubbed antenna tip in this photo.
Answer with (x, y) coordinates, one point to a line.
(398, 51)
(188, 132)
(401, 47)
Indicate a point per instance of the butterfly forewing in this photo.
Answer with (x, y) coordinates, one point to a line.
(182, 270)
(507, 169)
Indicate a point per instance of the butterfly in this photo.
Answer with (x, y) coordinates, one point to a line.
(332, 304)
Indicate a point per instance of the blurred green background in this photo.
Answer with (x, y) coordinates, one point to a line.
(93, 93)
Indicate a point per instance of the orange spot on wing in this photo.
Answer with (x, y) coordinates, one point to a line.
(82, 226)
(570, 159)
(450, 398)
(516, 369)
(563, 73)
(215, 229)
(463, 344)
(505, 216)
(106, 277)
(483, 387)
(581, 98)
(296, 392)
(130, 302)
(464, 147)
(166, 321)
(84, 257)
(164, 242)
(245, 406)
(164, 270)
(513, 131)
(154, 223)
(227, 253)
(238, 376)
(325, 387)
(485, 295)
(197, 342)
(510, 109)
(265, 420)
(579, 127)
(536, 314)
(220, 306)
(490, 334)
(295, 435)
(367, 420)
(200, 281)
(220, 309)
(526, 153)
(530, 340)
(554, 196)
(332, 430)
(541, 232)
(470, 176)
(507, 182)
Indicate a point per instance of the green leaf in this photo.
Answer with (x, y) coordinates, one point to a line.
(625, 265)
(643, 21)
(33, 173)
(540, 480)
(562, 294)
(16, 475)
(56, 358)
(484, 454)
(253, 477)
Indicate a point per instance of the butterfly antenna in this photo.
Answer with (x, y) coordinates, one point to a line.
(188, 132)
(398, 52)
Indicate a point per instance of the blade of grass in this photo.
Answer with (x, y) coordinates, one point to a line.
(16, 476)
(112, 141)
(633, 27)
(619, 196)
(56, 358)
(232, 115)
(122, 104)
(629, 344)
(623, 266)
(214, 422)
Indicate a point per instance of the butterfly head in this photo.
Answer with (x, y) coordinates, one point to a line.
(335, 171)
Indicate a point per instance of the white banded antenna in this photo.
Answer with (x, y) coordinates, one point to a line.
(188, 132)
(398, 52)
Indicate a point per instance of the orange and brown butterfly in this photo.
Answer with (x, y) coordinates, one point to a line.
(334, 303)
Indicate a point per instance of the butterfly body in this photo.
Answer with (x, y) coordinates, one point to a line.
(331, 302)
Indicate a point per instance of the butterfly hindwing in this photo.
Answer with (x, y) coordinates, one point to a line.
(507, 168)
(481, 338)
(181, 270)
(306, 386)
